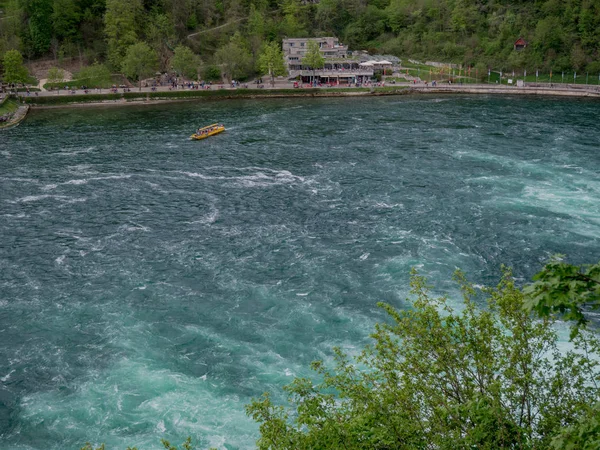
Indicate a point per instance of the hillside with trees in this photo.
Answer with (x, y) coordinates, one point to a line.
(231, 34)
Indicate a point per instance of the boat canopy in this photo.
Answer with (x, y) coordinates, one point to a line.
(208, 126)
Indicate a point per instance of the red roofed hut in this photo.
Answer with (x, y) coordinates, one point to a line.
(520, 44)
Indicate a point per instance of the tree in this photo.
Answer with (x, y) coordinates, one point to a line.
(159, 32)
(14, 70)
(583, 435)
(140, 62)
(295, 20)
(212, 73)
(65, 18)
(485, 378)
(38, 33)
(313, 58)
(120, 20)
(271, 61)
(185, 62)
(234, 58)
(566, 289)
(255, 28)
(55, 75)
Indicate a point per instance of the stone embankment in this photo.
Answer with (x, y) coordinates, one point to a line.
(146, 96)
(16, 117)
(587, 91)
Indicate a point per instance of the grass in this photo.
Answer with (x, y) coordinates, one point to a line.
(91, 83)
(8, 106)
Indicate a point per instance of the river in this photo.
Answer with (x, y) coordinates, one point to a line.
(150, 286)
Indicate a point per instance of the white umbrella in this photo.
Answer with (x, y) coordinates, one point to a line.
(368, 63)
(384, 62)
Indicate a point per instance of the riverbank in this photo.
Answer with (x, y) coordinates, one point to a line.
(147, 97)
(12, 112)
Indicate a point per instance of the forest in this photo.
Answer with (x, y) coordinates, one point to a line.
(561, 34)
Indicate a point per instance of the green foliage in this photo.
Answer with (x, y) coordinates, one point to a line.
(187, 445)
(185, 62)
(313, 57)
(66, 99)
(234, 59)
(159, 33)
(583, 435)
(435, 377)
(65, 18)
(561, 35)
(565, 289)
(121, 28)
(94, 75)
(140, 61)
(271, 60)
(8, 106)
(55, 75)
(38, 33)
(212, 73)
(14, 70)
(89, 446)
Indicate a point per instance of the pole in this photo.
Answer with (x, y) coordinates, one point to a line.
(489, 72)
(586, 78)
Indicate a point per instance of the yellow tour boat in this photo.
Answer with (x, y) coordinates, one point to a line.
(207, 131)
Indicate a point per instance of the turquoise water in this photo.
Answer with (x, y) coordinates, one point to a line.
(150, 286)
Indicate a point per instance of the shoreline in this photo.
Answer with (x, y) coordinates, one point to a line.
(155, 98)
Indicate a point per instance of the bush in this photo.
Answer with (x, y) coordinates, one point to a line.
(440, 378)
(212, 73)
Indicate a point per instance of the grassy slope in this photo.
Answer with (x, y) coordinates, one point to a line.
(8, 106)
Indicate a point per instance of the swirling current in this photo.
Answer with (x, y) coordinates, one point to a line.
(150, 286)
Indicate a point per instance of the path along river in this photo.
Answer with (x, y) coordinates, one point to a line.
(150, 286)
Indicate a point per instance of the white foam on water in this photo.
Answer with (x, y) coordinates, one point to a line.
(134, 227)
(133, 393)
(37, 198)
(76, 152)
(384, 205)
(5, 378)
(76, 182)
